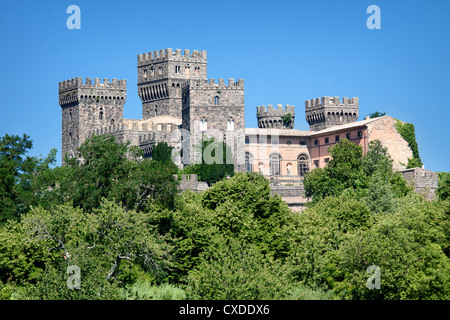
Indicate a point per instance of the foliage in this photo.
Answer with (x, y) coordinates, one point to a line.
(109, 170)
(376, 114)
(233, 271)
(217, 162)
(287, 119)
(302, 292)
(163, 153)
(17, 174)
(407, 132)
(146, 291)
(443, 190)
(102, 244)
(343, 171)
(408, 246)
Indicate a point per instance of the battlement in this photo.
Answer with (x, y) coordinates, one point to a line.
(169, 54)
(76, 83)
(278, 110)
(212, 84)
(112, 129)
(332, 102)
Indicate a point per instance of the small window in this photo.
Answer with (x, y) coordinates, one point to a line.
(337, 138)
(112, 122)
(100, 115)
(327, 160)
(247, 140)
(316, 142)
(216, 100)
(316, 163)
(289, 142)
(359, 134)
(159, 127)
(327, 140)
(348, 135)
(302, 142)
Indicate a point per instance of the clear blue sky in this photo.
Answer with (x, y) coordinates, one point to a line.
(287, 52)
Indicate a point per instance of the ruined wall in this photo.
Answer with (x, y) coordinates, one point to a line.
(384, 130)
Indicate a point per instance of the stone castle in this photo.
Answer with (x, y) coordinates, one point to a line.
(180, 105)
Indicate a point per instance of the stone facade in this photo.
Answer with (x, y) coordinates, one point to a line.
(89, 105)
(160, 76)
(423, 181)
(214, 109)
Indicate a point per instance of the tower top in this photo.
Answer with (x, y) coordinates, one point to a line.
(74, 90)
(325, 112)
(170, 55)
(278, 117)
(76, 83)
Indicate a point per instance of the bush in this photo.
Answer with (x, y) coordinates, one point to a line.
(146, 291)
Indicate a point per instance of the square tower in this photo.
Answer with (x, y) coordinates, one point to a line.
(87, 106)
(213, 109)
(160, 76)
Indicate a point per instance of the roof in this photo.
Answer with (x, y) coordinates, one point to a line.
(301, 133)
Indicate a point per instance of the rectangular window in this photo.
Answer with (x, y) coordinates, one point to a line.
(316, 142)
(337, 138)
(359, 134)
(348, 136)
(327, 140)
(302, 142)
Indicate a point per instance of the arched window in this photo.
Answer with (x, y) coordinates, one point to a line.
(70, 137)
(156, 110)
(275, 167)
(216, 100)
(187, 70)
(70, 115)
(112, 122)
(302, 165)
(203, 125)
(100, 115)
(248, 162)
(230, 125)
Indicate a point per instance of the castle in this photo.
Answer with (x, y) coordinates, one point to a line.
(180, 105)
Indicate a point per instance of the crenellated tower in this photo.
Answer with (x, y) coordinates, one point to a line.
(215, 109)
(326, 112)
(87, 106)
(279, 117)
(160, 76)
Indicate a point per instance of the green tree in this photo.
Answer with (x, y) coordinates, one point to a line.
(109, 170)
(343, 171)
(17, 174)
(104, 244)
(443, 190)
(163, 153)
(408, 246)
(376, 114)
(237, 271)
(217, 162)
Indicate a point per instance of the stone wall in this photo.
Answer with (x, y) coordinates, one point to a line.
(424, 181)
(383, 129)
